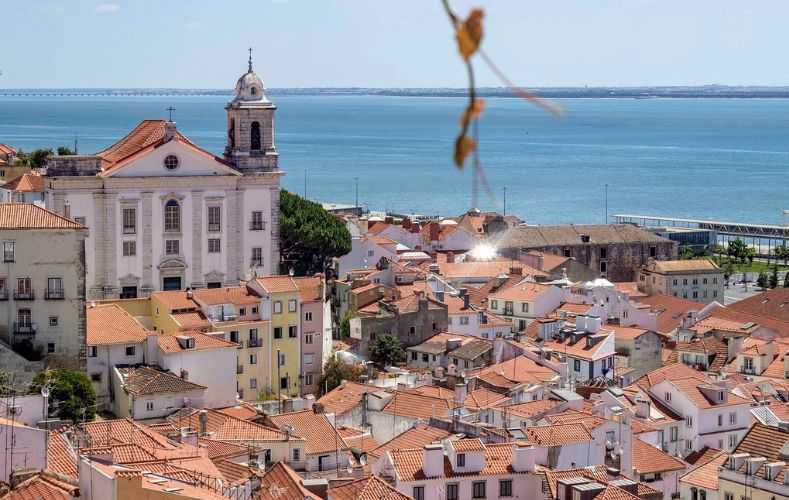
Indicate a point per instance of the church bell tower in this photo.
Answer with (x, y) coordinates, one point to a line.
(250, 126)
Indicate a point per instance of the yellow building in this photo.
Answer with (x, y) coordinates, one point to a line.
(236, 312)
(280, 303)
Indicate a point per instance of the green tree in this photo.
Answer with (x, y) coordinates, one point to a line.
(65, 151)
(335, 371)
(36, 158)
(728, 271)
(309, 236)
(719, 249)
(387, 350)
(736, 250)
(748, 255)
(761, 281)
(786, 280)
(782, 253)
(686, 252)
(774, 278)
(71, 395)
(345, 325)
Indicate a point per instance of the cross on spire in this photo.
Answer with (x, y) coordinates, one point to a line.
(250, 59)
(170, 109)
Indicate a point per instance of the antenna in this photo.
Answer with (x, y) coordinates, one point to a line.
(76, 142)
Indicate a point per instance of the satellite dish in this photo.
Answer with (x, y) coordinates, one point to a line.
(350, 469)
(45, 391)
(186, 400)
(363, 459)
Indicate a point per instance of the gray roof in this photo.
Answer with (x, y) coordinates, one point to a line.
(570, 235)
(472, 350)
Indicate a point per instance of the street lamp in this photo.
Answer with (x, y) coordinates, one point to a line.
(356, 180)
(606, 202)
(504, 191)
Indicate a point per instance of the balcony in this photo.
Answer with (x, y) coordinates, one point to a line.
(24, 294)
(239, 369)
(255, 343)
(508, 312)
(214, 228)
(256, 226)
(256, 262)
(3, 294)
(129, 230)
(54, 294)
(25, 328)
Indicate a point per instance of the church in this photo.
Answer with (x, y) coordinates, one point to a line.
(164, 214)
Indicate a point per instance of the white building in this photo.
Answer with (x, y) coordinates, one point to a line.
(165, 214)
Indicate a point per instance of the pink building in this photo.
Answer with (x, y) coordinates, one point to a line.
(316, 338)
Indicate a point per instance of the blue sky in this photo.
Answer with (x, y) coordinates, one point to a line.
(389, 43)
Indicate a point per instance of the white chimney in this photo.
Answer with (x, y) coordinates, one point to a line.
(67, 210)
(643, 408)
(330, 418)
(580, 322)
(170, 131)
(433, 460)
(461, 390)
(523, 458)
(593, 323)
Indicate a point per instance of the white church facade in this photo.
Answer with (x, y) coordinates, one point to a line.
(164, 214)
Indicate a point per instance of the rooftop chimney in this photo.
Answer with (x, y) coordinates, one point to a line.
(406, 223)
(460, 393)
(415, 228)
(389, 219)
(523, 458)
(450, 257)
(203, 419)
(67, 210)
(643, 408)
(433, 460)
(170, 131)
(435, 229)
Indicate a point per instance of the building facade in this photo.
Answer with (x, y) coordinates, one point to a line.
(700, 280)
(165, 214)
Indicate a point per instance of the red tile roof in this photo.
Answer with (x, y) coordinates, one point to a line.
(5, 150)
(143, 380)
(777, 326)
(315, 428)
(771, 304)
(415, 437)
(277, 284)
(498, 462)
(341, 400)
(310, 288)
(281, 482)
(671, 372)
(61, 458)
(168, 342)
(648, 459)
(526, 292)
(414, 405)
(244, 411)
(110, 324)
(43, 487)
(228, 428)
(370, 488)
(557, 434)
(31, 182)
(481, 399)
(238, 295)
(670, 310)
(531, 409)
(176, 300)
(14, 216)
(705, 473)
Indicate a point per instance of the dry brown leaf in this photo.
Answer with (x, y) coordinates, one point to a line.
(464, 146)
(472, 112)
(469, 34)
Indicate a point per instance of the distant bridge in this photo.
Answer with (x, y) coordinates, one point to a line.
(760, 235)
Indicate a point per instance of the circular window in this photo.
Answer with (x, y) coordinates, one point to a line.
(171, 162)
(253, 90)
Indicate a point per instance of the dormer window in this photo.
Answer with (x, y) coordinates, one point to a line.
(720, 395)
(460, 460)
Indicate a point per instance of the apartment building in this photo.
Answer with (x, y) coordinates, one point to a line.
(698, 279)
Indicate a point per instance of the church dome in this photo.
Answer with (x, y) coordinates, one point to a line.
(249, 86)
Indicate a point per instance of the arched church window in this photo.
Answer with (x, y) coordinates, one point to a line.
(231, 133)
(255, 136)
(172, 216)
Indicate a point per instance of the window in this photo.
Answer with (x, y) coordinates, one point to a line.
(296, 454)
(695, 294)
(684, 281)
(254, 309)
(25, 320)
(672, 433)
(732, 418)
(371, 253)
(149, 406)
(419, 493)
(494, 304)
(505, 488)
(566, 252)
(577, 365)
(308, 338)
(54, 288)
(8, 251)
(234, 336)
(308, 379)
(603, 253)
(129, 248)
(93, 351)
(652, 251)
(688, 444)
(668, 397)
(283, 383)
(277, 307)
(291, 306)
(257, 256)
(172, 247)
(464, 320)
(704, 281)
(282, 363)
(705, 294)
(292, 332)
(525, 307)
(452, 492)
(53, 321)
(308, 316)
(728, 496)
(242, 311)
(257, 222)
(689, 421)
(214, 218)
(214, 245)
(603, 267)
(413, 355)
(714, 293)
(675, 282)
(254, 136)
(309, 359)
(425, 357)
(171, 162)
(95, 378)
(24, 287)
(129, 220)
(460, 460)
(720, 422)
(747, 364)
(478, 489)
(131, 350)
(695, 281)
(172, 217)
(253, 383)
(253, 359)
(50, 348)
(277, 332)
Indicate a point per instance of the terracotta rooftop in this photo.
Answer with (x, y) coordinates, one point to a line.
(531, 409)
(110, 324)
(168, 342)
(701, 456)
(557, 434)
(776, 325)
(369, 488)
(341, 400)
(244, 411)
(579, 349)
(6, 150)
(692, 389)
(671, 372)
(498, 462)
(61, 458)
(415, 437)
(414, 405)
(314, 427)
(15, 216)
(310, 288)
(277, 284)
(31, 182)
(191, 320)
(43, 487)
(568, 416)
(669, 310)
(143, 380)
(626, 333)
(648, 459)
(228, 428)
(525, 292)
(238, 295)
(771, 304)
(705, 473)
(682, 266)
(570, 235)
(176, 300)
(519, 369)
(281, 482)
(482, 399)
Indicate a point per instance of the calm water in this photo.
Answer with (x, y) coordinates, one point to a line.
(724, 159)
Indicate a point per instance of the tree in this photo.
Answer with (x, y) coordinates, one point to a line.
(36, 158)
(782, 253)
(748, 255)
(309, 236)
(786, 280)
(686, 252)
(71, 395)
(335, 371)
(720, 250)
(65, 151)
(345, 325)
(761, 281)
(387, 350)
(774, 278)
(728, 271)
(736, 249)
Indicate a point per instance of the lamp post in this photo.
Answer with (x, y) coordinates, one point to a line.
(356, 180)
(606, 202)
(504, 191)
